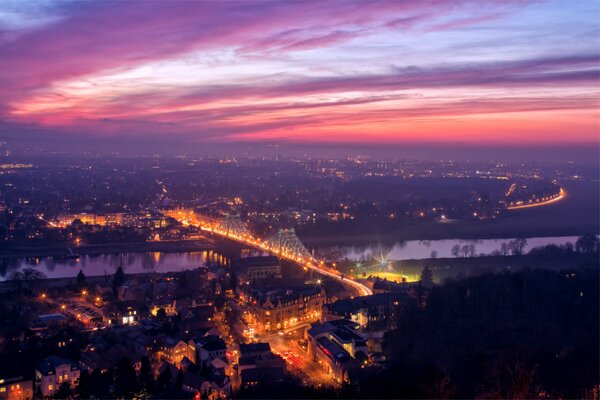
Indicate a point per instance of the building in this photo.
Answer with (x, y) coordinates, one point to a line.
(337, 348)
(257, 268)
(279, 310)
(377, 311)
(210, 348)
(174, 351)
(257, 365)
(170, 308)
(16, 388)
(52, 372)
(126, 312)
(255, 351)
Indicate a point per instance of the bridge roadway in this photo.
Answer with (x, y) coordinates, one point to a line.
(362, 289)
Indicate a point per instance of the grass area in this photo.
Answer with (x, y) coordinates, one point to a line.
(393, 276)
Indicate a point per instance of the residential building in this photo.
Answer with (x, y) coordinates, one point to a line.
(377, 311)
(210, 348)
(52, 372)
(16, 388)
(258, 365)
(281, 309)
(174, 350)
(257, 268)
(337, 348)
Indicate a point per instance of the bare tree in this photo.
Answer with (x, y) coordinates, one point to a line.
(517, 246)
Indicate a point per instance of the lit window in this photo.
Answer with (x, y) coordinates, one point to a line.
(2, 389)
(50, 387)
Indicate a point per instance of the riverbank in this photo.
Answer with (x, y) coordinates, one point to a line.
(444, 268)
(174, 246)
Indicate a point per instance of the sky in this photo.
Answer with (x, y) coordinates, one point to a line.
(492, 73)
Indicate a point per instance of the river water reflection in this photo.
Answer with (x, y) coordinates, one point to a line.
(107, 264)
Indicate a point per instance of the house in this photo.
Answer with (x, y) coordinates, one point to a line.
(257, 268)
(173, 350)
(337, 348)
(255, 351)
(52, 320)
(16, 388)
(211, 347)
(169, 307)
(106, 357)
(265, 372)
(52, 372)
(258, 365)
(200, 327)
(281, 309)
(203, 312)
(377, 311)
(126, 312)
(194, 383)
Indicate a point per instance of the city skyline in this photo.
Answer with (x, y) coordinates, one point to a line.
(340, 73)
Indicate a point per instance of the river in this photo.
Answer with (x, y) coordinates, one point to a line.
(107, 264)
(420, 249)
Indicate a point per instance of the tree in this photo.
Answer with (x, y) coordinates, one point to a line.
(164, 379)
(161, 314)
(426, 277)
(233, 280)
(434, 254)
(64, 391)
(100, 384)
(587, 244)
(466, 250)
(456, 250)
(27, 277)
(360, 356)
(179, 380)
(504, 249)
(471, 250)
(146, 379)
(84, 388)
(118, 280)
(80, 279)
(125, 379)
(517, 246)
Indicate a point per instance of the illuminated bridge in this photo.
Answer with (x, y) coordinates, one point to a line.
(284, 244)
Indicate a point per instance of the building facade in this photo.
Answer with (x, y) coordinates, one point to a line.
(16, 388)
(282, 310)
(53, 372)
(337, 348)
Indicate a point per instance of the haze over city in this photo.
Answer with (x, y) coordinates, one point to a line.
(283, 199)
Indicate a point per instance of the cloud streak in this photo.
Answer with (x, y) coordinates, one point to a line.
(273, 70)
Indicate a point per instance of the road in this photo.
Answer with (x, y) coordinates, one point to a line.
(561, 195)
(297, 360)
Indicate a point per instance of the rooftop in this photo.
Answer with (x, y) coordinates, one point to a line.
(246, 348)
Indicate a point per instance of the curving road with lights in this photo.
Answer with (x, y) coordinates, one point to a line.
(561, 195)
